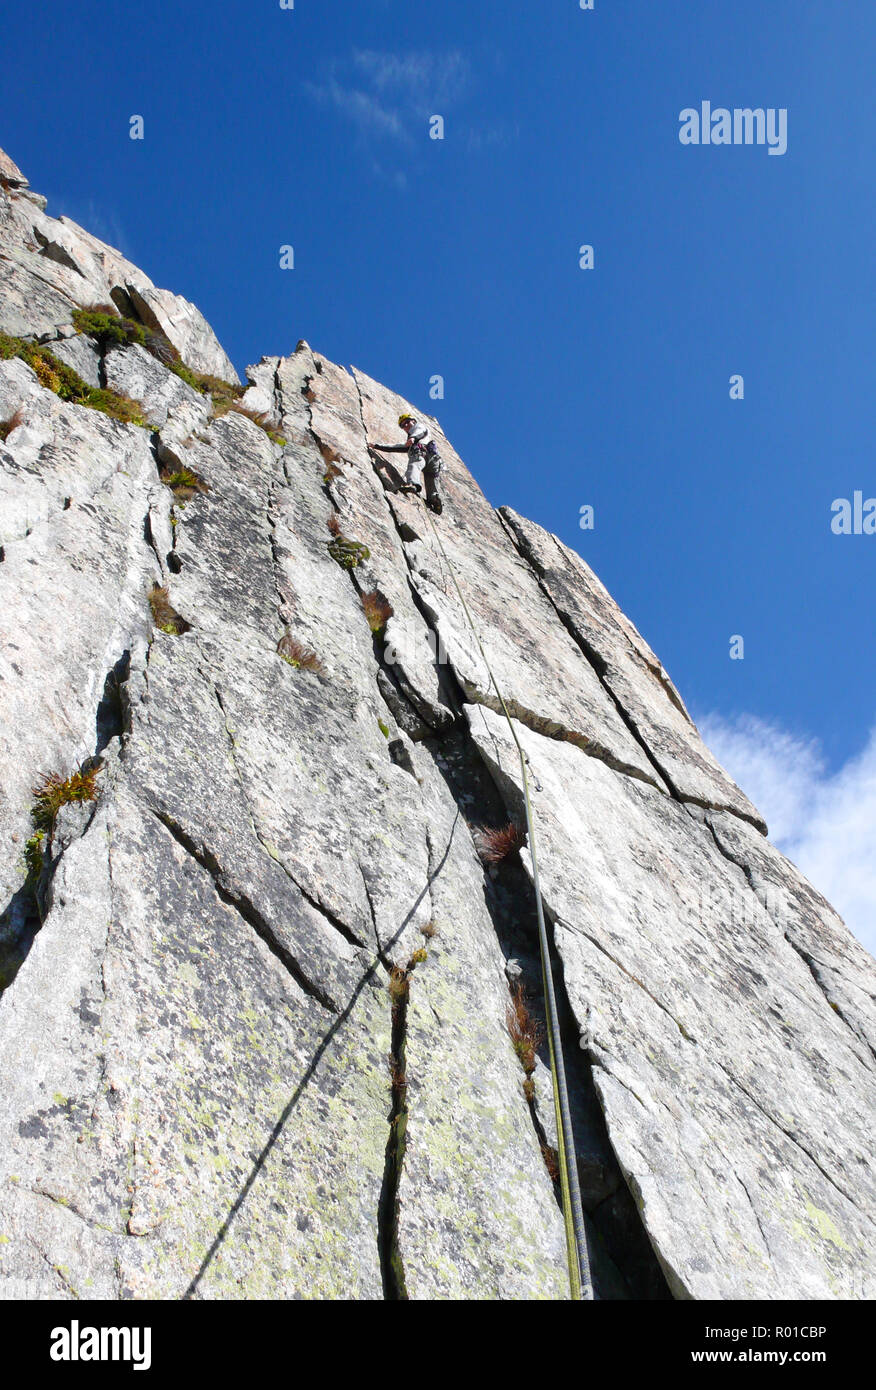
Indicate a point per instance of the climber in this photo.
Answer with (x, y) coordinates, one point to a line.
(423, 456)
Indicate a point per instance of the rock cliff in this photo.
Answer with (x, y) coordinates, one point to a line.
(271, 998)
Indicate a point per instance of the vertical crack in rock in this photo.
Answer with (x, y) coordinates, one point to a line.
(149, 538)
(110, 718)
(598, 663)
(531, 719)
(23, 915)
(398, 987)
(624, 1262)
(276, 567)
(629, 1258)
(391, 1264)
(447, 683)
(463, 693)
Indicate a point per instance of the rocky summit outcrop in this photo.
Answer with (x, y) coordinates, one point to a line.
(259, 947)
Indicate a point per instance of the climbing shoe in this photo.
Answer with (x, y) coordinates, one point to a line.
(435, 505)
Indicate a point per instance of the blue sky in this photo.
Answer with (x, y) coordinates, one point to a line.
(459, 257)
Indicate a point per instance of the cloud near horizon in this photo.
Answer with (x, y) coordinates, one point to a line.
(824, 822)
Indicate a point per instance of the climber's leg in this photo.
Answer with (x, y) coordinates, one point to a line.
(412, 477)
(432, 472)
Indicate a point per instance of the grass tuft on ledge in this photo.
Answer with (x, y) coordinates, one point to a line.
(164, 615)
(68, 385)
(183, 483)
(53, 792)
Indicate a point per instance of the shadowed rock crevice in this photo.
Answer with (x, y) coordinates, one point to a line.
(110, 717)
(399, 693)
(391, 1262)
(23, 915)
(465, 691)
(623, 1262)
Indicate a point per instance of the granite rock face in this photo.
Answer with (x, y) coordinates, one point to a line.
(254, 1020)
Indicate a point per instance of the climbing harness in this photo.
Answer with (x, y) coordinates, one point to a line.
(573, 1215)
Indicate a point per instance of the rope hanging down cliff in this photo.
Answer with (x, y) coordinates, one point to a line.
(573, 1215)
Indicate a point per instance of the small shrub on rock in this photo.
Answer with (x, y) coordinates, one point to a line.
(551, 1161)
(495, 845)
(378, 610)
(109, 329)
(348, 553)
(164, 614)
(183, 483)
(297, 655)
(398, 987)
(523, 1029)
(260, 419)
(53, 792)
(7, 426)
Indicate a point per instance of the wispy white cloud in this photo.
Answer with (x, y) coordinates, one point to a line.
(366, 111)
(825, 822)
(385, 95)
(415, 77)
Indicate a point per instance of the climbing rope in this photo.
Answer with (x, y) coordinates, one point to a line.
(573, 1215)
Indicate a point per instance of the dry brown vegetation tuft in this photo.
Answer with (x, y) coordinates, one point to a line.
(301, 657)
(378, 610)
(524, 1030)
(493, 845)
(551, 1161)
(260, 418)
(7, 426)
(398, 989)
(164, 614)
